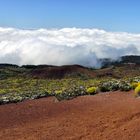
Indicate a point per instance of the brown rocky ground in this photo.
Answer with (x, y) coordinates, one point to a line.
(110, 116)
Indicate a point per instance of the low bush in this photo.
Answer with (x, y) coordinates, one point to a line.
(71, 93)
(137, 91)
(109, 86)
(92, 90)
(125, 86)
(134, 84)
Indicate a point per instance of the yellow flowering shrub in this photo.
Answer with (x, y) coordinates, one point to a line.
(58, 91)
(137, 91)
(135, 84)
(92, 90)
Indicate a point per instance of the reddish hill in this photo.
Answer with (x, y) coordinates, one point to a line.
(74, 71)
(55, 72)
(116, 70)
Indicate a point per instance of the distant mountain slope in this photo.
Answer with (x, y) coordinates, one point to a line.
(127, 66)
(122, 60)
(130, 59)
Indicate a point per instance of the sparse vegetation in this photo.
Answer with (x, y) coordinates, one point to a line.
(27, 82)
(17, 90)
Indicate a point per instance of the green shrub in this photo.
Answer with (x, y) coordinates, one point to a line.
(70, 93)
(109, 86)
(125, 86)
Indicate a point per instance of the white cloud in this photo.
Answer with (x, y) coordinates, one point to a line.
(65, 46)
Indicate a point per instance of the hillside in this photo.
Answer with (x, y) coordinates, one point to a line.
(53, 102)
(125, 66)
(132, 59)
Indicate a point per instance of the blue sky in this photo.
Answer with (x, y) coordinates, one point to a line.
(111, 15)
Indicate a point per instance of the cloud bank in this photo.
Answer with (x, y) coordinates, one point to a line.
(65, 46)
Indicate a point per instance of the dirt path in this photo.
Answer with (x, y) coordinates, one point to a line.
(111, 116)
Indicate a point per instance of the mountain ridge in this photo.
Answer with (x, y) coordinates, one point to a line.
(124, 66)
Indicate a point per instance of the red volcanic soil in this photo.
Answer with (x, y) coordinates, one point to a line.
(110, 116)
(58, 72)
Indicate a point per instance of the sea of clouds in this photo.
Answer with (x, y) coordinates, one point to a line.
(65, 46)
